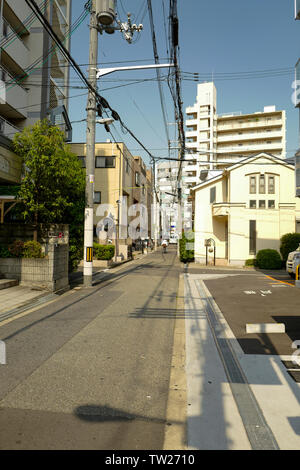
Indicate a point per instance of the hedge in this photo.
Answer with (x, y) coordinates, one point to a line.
(186, 256)
(268, 259)
(103, 252)
(289, 242)
(19, 249)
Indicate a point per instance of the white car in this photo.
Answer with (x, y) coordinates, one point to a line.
(292, 262)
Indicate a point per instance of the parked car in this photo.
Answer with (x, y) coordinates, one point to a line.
(292, 262)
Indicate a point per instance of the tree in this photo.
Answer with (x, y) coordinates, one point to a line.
(53, 182)
(52, 176)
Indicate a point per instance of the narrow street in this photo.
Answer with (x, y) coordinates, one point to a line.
(155, 356)
(91, 370)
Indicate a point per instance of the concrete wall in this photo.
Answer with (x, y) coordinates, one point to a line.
(50, 273)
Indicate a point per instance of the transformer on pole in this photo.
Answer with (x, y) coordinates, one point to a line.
(106, 11)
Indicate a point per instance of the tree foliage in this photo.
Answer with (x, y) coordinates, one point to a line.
(53, 182)
(289, 242)
(52, 179)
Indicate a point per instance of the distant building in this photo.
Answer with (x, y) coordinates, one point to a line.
(166, 185)
(246, 208)
(121, 183)
(216, 141)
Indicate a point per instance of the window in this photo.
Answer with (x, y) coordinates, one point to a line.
(127, 166)
(252, 204)
(105, 162)
(83, 161)
(144, 190)
(262, 184)
(252, 237)
(252, 184)
(271, 204)
(262, 204)
(212, 195)
(97, 197)
(271, 185)
(5, 29)
(137, 179)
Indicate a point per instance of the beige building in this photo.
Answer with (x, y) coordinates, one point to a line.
(245, 209)
(120, 188)
(34, 76)
(221, 140)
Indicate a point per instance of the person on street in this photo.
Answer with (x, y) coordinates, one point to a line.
(164, 245)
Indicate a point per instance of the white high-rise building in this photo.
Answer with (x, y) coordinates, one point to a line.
(166, 182)
(216, 141)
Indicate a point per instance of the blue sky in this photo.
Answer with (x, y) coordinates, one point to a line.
(216, 36)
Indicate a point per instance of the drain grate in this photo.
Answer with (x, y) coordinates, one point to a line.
(293, 370)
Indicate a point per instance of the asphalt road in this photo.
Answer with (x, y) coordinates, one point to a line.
(91, 370)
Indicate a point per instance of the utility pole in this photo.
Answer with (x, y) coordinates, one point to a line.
(90, 152)
(103, 19)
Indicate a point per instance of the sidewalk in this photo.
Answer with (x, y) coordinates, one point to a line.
(13, 298)
(239, 397)
(17, 299)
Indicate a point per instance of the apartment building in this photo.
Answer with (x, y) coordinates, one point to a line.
(246, 208)
(166, 186)
(216, 141)
(34, 76)
(120, 191)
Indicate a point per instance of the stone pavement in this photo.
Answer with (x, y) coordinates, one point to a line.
(17, 296)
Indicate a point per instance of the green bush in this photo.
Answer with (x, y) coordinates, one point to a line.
(103, 252)
(250, 262)
(4, 252)
(186, 255)
(289, 242)
(268, 259)
(16, 249)
(32, 249)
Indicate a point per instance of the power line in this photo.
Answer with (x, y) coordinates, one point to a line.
(156, 58)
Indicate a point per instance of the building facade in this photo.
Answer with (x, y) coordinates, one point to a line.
(120, 193)
(34, 76)
(245, 209)
(216, 141)
(166, 209)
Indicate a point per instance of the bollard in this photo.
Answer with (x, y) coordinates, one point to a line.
(297, 281)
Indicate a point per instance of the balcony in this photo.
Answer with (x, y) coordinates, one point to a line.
(222, 209)
(13, 98)
(191, 122)
(189, 134)
(192, 145)
(190, 179)
(59, 21)
(249, 136)
(16, 49)
(248, 125)
(7, 129)
(251, 148)
(188, 168)
(18, 10)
